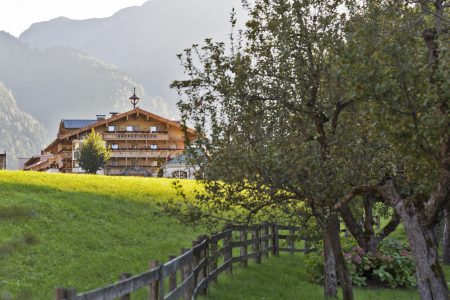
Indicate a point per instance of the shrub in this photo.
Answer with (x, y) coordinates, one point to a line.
(314, 267)
(392, 265)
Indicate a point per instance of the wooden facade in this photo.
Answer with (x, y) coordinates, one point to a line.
(141, 142)
(3, 161)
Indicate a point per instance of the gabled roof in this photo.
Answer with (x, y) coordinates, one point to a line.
(37, 160)
(77, 124)
(120, 116)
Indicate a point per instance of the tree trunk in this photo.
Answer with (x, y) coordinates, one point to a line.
(446, 238)
(371, 242)
(430, 278)
(330, 288)
(345, 279)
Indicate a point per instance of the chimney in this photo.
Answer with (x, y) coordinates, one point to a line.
(114, 114)
(101, 117)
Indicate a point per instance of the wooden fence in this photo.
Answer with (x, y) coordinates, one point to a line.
(190, 274)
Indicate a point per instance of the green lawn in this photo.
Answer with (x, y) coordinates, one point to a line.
(90, 229)
(284, 278)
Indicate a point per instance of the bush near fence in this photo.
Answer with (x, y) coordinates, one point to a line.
(189, 275)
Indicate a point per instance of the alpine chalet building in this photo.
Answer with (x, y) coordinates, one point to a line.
(140, 141)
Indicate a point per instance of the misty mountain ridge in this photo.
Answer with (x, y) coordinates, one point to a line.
(142, 40)
(56, 83)
(69, 69)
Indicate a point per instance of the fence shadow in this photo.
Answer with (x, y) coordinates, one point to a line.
(190, 274)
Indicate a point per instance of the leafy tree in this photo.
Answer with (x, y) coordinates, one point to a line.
(399, 58)
(93, 154)
(277, 125)
(307, 106)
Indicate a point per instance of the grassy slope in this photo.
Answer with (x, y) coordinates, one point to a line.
(285, 278)
(90, 229)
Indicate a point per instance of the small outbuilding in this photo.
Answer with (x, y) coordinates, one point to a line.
(180, 167)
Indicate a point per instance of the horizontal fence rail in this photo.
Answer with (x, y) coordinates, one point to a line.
(190, 274)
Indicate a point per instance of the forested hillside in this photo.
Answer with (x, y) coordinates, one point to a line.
(20, 134)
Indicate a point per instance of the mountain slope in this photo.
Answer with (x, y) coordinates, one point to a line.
(21, 135)
(142, 40)
(58, 83)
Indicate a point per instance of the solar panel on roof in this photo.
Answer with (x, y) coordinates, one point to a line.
(75, 124)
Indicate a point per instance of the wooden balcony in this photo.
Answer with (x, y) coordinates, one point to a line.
(135, 153)
(64, 155)
(135, 136)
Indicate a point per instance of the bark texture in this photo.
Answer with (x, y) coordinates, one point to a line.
(330, 288)
(446, 238)
(333, 238)
(430, 277)
(364, 232)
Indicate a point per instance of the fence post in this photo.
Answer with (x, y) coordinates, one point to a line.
(155, 290)
(243, 252)
(182, 274)
(65, 294)
(306, 246)
(275, 241)
(173, 276)
(187, 271)
(204, 256)
(228, 254)
(122, 277)
(266, 238)
(256, 244)
(213, 257)
(291, 240)
(195, 272)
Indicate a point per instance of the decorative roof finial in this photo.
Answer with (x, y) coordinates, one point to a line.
(134, 99)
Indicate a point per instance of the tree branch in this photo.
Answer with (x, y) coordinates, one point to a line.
(355, 192)
(340, 105)
(389, 227)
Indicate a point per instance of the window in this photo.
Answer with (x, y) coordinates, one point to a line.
(153, 129)
(154, 163)
(132, 128)
(76, 146)
(76, 164)
(154, 147)
(76, 155)
(111, 128)
(114, 146)
(179, 174)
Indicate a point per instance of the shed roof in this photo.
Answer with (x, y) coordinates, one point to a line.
(180, 159)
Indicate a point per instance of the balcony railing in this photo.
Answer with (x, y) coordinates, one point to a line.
(130, 166)
(135, 153)
(138, 131)
(121, 148)
(136, 136)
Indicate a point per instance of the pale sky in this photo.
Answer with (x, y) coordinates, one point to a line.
(17, 15)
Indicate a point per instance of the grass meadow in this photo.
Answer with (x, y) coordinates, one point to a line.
(90, 229)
